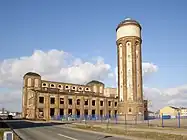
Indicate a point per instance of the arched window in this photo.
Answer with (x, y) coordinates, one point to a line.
(59, 86)
(52, 85)
(128, 43)
(44, 84)
(36, 82)
(80, 89)
(95, 88)
(87, 89)
(29, 81)
(78, 101)
(101, 89)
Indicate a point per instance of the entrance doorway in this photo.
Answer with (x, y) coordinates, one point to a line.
(78, 113)
(61, 112)
(115, 113)
(101, 113)
(93, 113)
(86, 113)
(52, 112)
(41, 112)
(69, 112)
(109, 113)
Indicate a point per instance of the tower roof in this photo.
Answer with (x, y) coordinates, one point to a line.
(128, 21)
(95, 82)
(32, 74)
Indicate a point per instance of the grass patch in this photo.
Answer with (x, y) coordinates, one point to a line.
(2, 130)
(139, 134)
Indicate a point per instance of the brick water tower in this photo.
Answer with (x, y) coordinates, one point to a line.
(130, 94)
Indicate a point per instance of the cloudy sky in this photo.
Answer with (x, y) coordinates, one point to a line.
(75, 42)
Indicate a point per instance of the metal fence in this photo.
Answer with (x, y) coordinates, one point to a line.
(83, 117)
(159, 121)
(177, 120)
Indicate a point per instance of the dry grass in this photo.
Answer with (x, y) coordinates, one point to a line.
(2, 131)
(16, 137)
(169, 123)
(152, 127)
(139, 134)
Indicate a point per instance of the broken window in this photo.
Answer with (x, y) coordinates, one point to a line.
(52, 100)
(61, 101)
(52, 112)
(78, 112)
(41, 100)
(93, 102)
(101, 103)
(78, 101)
(86, 112)
(93, 113)
(61, 112)
(101, 112)
(69, 112)
(40, 112)
(70, 101)
(115, 113)
(116, 103)
(52, 85)
(109, 113)
(86, 102)
(109, 103)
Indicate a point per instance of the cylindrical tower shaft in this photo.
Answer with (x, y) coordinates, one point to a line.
(129, 68)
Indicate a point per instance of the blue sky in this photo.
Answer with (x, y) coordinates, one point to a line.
(87, 29)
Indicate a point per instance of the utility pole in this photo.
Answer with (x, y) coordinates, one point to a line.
(3, 110)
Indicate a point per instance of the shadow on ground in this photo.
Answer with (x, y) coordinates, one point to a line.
(20, 124)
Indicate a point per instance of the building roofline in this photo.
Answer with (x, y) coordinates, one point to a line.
(72, 93)
(68, 83)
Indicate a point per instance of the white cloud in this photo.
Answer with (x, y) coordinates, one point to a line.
(52, 65)
(61, 66)
(164, 97)
(176, 91)
(148, 68)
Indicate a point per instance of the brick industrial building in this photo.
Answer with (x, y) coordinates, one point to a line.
(44, 99)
